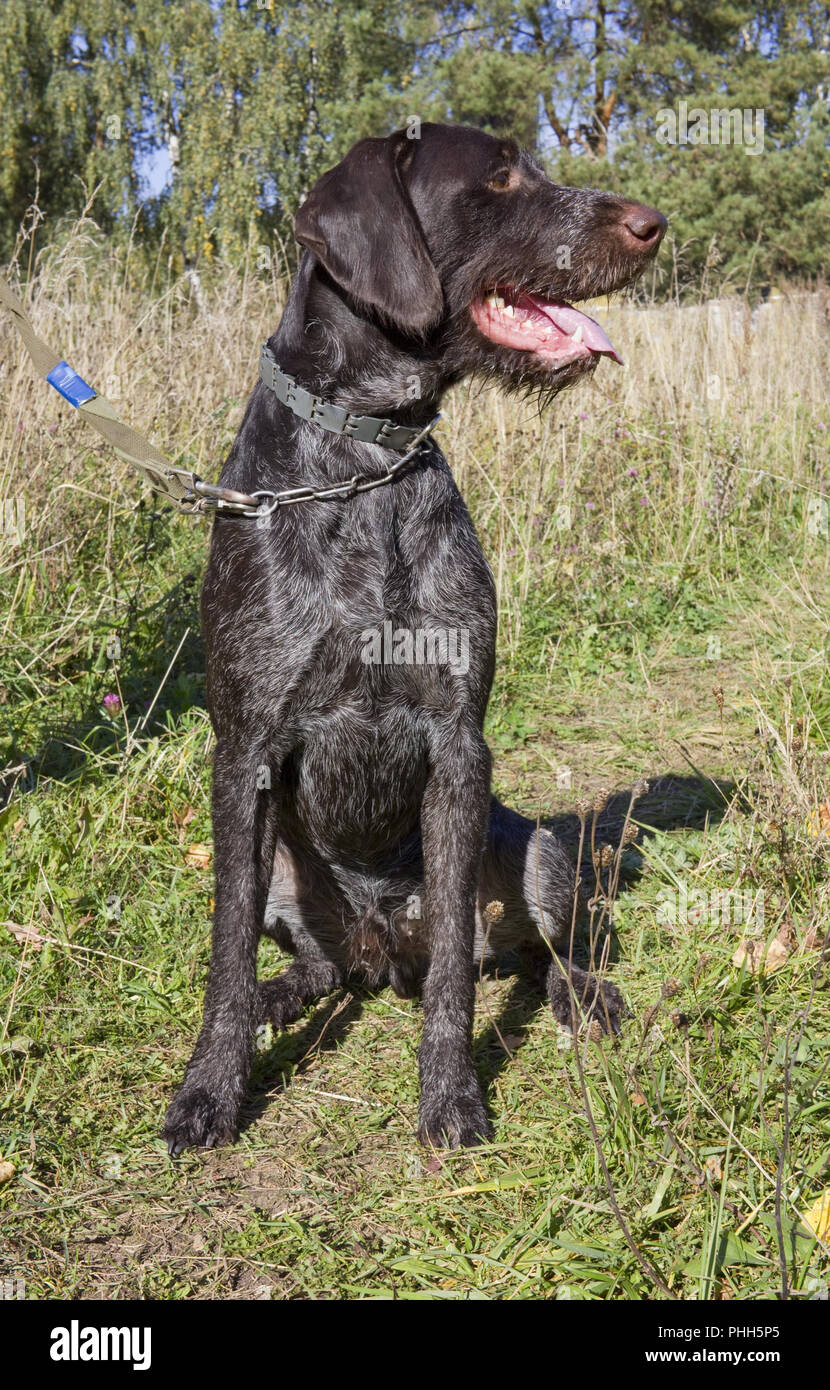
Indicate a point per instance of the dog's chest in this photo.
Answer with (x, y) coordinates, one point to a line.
(357, 777)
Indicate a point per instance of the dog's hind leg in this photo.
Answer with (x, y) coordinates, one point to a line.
(292, 901)
(575, 995)
(281, 1000)
(528, 873)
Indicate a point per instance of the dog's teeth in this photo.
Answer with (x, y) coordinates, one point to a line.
(510, 312)
(492, 301)
(576, 336)
(499, 302)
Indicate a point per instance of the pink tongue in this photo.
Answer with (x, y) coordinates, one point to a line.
(568, 319)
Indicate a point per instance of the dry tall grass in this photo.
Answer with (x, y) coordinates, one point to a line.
(178, 357)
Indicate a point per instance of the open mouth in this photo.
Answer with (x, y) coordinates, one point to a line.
(551, 329)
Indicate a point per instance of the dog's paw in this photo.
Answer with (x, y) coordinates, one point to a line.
(198, 1119)
(454, 1122)
(602, 1003)
(611, 1009)
(277, 1003)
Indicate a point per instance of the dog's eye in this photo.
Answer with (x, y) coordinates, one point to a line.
(501, 179)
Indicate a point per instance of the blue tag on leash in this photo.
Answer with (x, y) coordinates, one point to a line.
(71, 386)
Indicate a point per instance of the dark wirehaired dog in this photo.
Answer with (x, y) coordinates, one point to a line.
(351, 788)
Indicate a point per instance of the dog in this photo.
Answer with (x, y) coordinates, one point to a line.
(352, 814)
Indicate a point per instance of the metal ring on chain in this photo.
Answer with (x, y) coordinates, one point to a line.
(209, 497)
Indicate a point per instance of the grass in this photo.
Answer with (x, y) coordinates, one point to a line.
(661, 556)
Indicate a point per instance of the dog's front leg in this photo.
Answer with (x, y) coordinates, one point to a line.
(453, 823)
(206, 1108)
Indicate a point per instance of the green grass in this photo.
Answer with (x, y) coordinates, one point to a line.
(659, 640)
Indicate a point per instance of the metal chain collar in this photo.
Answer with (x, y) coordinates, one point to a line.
(261, 504)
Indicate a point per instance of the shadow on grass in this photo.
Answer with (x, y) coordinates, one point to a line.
(672, 802)
(291, 1053)
(508, 1027)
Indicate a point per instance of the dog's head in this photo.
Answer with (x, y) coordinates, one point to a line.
(459, 242)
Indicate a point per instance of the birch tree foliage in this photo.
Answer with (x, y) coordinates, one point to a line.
(212, 118)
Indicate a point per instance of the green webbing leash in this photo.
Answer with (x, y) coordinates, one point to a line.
(181, 487)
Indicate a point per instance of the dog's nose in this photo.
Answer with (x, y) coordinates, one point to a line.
(643, 227)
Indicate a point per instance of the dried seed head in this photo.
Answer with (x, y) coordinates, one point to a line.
(650, 1015)
(606, 856)
(600, 799)
(582, 808)
(671, 988)
(493, 913)
(640, 788)
(630, 834)
(595, 1030)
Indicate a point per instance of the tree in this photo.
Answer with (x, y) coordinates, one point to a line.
(242, 105)
(585, 82)
(212, 118)
(71, 84)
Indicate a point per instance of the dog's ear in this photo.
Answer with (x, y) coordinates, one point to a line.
(359, 222)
